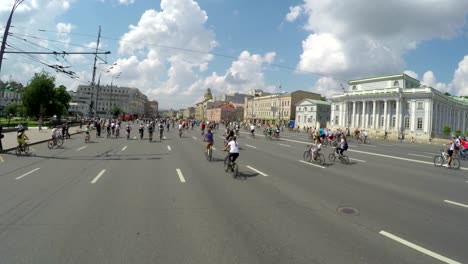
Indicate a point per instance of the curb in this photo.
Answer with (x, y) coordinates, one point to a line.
(34, 143)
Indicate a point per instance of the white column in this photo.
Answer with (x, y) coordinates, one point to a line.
(464, 122)
(374, 105)
(364, 119)
(385, 115)
(353, 115)
(426, 117)
(397, 115)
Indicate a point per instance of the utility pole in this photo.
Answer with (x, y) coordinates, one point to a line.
(7, 28)
(94, 72)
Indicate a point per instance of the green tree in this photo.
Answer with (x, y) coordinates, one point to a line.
(458, 132)
(42, 98)
(117, 110)
(13, 109)
(447, 94)
(447, 130)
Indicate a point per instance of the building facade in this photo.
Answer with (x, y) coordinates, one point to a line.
(398, 104)
(275, 108)
(312, 113)
(226, 112)
(130, 100)
(235, 98)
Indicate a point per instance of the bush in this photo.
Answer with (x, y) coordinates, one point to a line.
(447, 130)
(458, 132)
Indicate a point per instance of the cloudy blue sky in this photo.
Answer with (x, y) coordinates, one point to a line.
(174, 49)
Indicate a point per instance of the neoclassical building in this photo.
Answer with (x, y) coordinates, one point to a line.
(398, 103)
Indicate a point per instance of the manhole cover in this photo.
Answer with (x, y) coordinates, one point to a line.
(348, 210)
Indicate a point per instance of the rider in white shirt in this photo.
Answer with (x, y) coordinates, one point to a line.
(53, 134)
(233, 147)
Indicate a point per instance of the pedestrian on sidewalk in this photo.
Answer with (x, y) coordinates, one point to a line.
(39, 123)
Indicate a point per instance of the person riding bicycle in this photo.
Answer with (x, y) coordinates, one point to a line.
(366, 134)
(450, 151)
(161, 129)
(113, 127)
(230, 135)
(21, 137)
(203, 126)
(233, 148)
(53, 134)
(277, 131)
(356, 133)
(108, 128)
(209, 139)
(150, 129)
(88, 130)
(343, 146)
(141, 129)
(252, 129)
(317, 146)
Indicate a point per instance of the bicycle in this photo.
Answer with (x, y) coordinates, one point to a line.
(252, 134)
(150, 136)
(128, 134)
(180, 133)
(22, 148)
(56, 142)
(343, 158)
(231, 166)
(439, 160)
(117, 132)
(161, 135)
(87, 138)
(209, 153)
(108, 133)
(319, 158)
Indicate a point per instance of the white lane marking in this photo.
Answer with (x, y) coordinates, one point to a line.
(455, 203)
(1, 159)
(417, 155)
(33, 150)
(181, 177)
(357, 159)
(213, 148)
(81, 148)
(194, 137)
(309, 163)
(418, 248)
(284, 145)
(169, 148)
(257, 171)
(124, 148)
(27, 173)
(431, 153)
(98, 176)
(250, 146)
(366, 145)
(134, 137)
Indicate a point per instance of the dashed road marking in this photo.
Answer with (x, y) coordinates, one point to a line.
(81, 148)
(1, 159)
(418, 248)
(194, 138)
(213, 148)
(124, 148)
(284, 145)
(134, 137)
(250, 146)
(169, 148)
(418, 155)
(431, 153)
(181, 176)
(257, 171)
(455, 203)
(312, 164)
(98, 176)
(357, 160)
(27, 173)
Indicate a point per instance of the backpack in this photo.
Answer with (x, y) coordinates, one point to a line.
(345, 145)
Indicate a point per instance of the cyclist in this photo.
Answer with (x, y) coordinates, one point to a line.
(233, 149)
(203, 126)
(450, 152)
(141, 129)
(366, 134)
(161, 130)
(21, 137)
(230, 135)
(113, 127)
(209, 139)
(128, 128)
(317, 146)
(88, 131)
(150, 130)
(343, 146)
(252, 130)
(53, 134)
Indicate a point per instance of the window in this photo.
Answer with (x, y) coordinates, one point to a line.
(299, 118)
(305, 108)
(406, 122)
(354, 87)
(420, 106)
(408, 106)
(337, 107)
(305, 118)
(396, 84)
(393, 121)
(420, 123)
(299, 109)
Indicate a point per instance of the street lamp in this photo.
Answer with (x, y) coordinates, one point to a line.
(7, 28)
(110, 97)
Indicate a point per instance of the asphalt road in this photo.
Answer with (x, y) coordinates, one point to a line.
(131, 201)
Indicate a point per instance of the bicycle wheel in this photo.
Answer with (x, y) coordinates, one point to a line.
(345, 159)
(235, 170)
(307, 156)
(50, 144)
(321, 159)
(226, 164)
(367, 141)
(26, 149)
(331, 157)
(455, 163)
(438, 161)
(210, 154)
(59, 142)
(18, 150)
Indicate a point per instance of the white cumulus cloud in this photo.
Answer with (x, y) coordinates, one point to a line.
(294, 13)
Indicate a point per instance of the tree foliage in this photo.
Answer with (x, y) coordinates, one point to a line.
(117, 110)
(14, 109)
(447, 129)
(42, 98)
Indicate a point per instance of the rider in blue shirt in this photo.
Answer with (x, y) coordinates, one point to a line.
(209, 139)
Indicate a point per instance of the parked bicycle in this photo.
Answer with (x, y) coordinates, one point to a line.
(22, 149)
(56, 142)
(343, 158)
(440, 160)
(308, 156)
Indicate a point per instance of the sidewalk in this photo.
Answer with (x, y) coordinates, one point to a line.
(35, 137)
